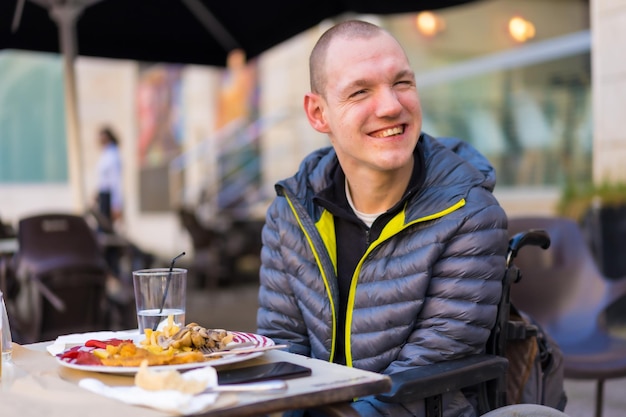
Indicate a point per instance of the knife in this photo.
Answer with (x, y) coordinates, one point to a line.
(266, 387)
(243, 350)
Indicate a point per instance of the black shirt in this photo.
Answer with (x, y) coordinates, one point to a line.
(353, 236)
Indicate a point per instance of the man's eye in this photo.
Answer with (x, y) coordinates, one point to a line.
(358, 93)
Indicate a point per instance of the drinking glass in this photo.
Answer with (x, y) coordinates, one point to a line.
(159, 293)
(6, 343)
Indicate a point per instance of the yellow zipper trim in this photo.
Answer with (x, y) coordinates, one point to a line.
(395, 225)
(326, 227)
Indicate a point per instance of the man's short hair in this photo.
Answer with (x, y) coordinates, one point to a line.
(349, 29)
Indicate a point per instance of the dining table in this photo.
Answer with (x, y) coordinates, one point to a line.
(33, 383)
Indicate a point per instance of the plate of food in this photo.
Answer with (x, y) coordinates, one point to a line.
(173, 348)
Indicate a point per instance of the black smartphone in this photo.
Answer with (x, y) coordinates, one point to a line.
(255, 373)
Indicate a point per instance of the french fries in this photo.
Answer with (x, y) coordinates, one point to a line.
(128, 354)
(151, 342)
(170, 345)
(192, 337)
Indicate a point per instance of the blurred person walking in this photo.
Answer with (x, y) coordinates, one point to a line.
(110, 199)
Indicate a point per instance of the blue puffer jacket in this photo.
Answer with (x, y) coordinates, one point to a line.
(426, 290)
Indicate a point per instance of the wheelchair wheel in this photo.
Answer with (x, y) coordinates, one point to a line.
(525, 410)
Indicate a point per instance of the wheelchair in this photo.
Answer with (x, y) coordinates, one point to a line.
(485, 374)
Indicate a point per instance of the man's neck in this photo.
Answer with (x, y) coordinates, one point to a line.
(373, 192)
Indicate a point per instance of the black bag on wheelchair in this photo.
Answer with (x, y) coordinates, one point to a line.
(535, 372)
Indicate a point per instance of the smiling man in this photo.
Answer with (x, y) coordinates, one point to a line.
(386, 250)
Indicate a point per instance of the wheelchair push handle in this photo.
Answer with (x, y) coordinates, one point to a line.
(534, 237)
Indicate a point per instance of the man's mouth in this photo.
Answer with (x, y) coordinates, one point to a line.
(392, 131)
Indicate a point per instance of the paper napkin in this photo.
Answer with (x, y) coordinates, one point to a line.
(170, 401)
(62, 342)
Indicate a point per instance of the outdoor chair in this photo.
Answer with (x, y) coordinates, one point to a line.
(62, 276)
(228, 254)
(564, 291)
(205, 264)
(485, 374)
(6, 230)
(122, 255)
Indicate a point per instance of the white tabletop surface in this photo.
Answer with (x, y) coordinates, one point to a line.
(36, 381)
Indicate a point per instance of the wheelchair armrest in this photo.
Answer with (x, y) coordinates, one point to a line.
(442, 377)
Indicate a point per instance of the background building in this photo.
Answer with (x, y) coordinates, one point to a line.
(512, 78)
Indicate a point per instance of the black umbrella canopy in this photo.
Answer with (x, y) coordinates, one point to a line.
(182, 31)
(169, 31)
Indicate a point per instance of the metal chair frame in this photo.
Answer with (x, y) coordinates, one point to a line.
(565, 292)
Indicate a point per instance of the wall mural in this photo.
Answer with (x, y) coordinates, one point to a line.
(160, 132)
(238, 159)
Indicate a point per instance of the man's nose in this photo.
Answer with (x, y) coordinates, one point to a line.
(387, 103)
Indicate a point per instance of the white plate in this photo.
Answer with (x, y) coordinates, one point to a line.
(239, 337)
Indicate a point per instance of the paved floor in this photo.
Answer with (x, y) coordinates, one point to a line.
(581, 398)
(234, 308)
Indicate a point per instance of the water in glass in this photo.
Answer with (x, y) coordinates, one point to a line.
(6, 344)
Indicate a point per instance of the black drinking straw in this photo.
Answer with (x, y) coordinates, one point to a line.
(167, 288)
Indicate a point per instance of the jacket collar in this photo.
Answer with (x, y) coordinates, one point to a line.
(448, 169)
(334, 199)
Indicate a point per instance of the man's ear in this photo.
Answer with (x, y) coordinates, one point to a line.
(313, 108)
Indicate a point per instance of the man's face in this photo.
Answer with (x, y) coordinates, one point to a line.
(370, 108)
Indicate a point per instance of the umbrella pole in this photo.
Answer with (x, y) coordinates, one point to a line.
(65, 16)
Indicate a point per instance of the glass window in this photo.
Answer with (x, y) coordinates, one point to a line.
(32, 118)
(526, 104)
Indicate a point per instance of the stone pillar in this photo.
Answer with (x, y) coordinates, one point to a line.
(608, 60)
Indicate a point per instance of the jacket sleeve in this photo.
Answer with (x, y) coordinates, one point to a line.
(459, 310)
(279, 316)
(460, 307)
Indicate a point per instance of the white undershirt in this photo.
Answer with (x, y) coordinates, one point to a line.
(368, 219)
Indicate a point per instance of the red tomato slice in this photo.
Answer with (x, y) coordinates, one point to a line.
(83, 355)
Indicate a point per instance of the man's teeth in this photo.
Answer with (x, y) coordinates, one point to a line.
(389, 132)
